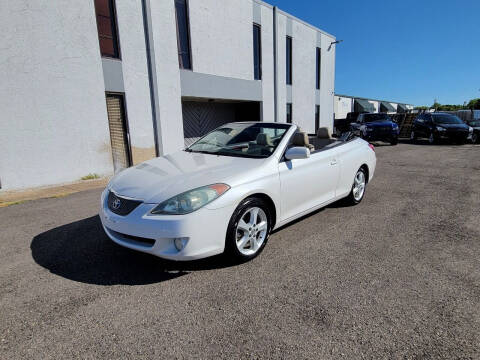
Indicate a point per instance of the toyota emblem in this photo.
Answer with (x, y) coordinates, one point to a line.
(116, 204)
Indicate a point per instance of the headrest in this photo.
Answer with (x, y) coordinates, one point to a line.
(264, 139)
(300, 139)
(324, 133)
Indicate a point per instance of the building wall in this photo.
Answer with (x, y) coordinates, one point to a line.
(167, 79)
(52, 96)
(221, 37)
(376, 104)
(281, 31)
(268, 91)
(303, 93)
(327, 84)
(304, 72)
(343, 105)
(54, 80)
(135, 75)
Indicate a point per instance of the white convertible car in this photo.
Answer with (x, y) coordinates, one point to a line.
(231, 188)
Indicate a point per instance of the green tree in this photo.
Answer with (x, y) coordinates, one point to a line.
(474, 104)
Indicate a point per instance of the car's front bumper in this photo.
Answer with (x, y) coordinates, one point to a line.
(373, 136)
(204, 231)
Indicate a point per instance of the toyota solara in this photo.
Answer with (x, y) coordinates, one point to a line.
(229, 190)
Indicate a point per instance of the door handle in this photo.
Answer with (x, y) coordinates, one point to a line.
(333, 162)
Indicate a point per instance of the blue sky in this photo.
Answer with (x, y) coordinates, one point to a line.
(407, 51)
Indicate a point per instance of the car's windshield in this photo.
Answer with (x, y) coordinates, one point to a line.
(446, 119)
(253, 140)
(375, 117)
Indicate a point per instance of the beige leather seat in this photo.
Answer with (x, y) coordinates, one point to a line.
(301, 139)
(262, 145)
(324, 138)
(264, 140)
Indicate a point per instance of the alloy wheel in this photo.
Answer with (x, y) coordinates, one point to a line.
(359, 185)
(251, 231)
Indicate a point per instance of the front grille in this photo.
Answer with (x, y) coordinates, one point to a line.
(135, 240)
(121, 206)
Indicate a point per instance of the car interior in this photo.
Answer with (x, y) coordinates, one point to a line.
(321, 141)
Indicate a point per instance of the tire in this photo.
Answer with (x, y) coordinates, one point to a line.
(394, 141)
(246, 240)
(475, 138)
(413, 136)
(354, 197)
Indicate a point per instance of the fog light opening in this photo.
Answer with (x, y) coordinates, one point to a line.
(180, 243)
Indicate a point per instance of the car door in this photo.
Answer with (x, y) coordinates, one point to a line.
(307, 183)
(420, 126)
(429, 125)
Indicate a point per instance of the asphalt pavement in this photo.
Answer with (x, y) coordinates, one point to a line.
(397, 276)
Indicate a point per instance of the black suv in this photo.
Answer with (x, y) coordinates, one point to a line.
(438, 126)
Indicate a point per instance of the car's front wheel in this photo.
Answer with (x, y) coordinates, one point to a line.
(475, 138)
(394, 141)
(358, 188)
(248, 230)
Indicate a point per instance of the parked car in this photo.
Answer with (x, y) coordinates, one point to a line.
(342, 126)
(475, 125)
(440, 126)
(230, 189)
(376, 127)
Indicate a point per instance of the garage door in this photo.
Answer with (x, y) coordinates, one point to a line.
(199, 118)
(118, 132)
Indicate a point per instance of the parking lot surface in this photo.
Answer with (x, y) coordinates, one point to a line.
(396, 277)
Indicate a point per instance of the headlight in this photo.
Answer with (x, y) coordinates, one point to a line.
(190, 201)
(439, 128)
(470, 129)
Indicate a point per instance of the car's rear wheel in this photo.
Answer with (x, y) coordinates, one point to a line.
(358, 188)
(248, 230)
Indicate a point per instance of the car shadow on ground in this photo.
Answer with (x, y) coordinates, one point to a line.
(425, 142)
(81, 251)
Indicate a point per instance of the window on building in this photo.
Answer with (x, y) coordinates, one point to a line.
(257, 52)
(107, 28)
(289, 113)
(289, 60)
(319, 64)
(183, 34)
(317, 117)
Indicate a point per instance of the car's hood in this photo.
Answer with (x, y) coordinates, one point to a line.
(161, 178)
(379, 124)
(454, 126)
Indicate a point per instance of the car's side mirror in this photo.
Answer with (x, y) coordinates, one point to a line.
(297, 152)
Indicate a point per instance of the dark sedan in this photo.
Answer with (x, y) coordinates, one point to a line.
(440, 126)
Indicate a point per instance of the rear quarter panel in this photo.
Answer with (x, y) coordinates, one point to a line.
(351, 157)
